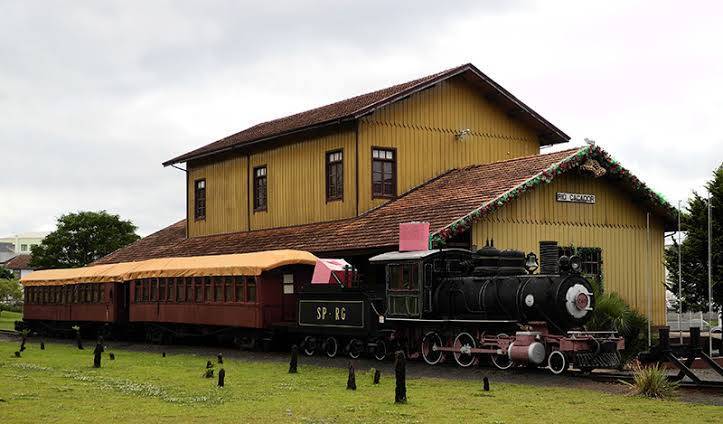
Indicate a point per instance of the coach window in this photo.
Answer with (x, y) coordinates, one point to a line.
(198, 287)
(229, 289)
(251, 289)
(101, 293)
(199, 199)
(207, 290)
(403, 277)
(161, 289)
(146, 289)
(181, 290)
(137, 291)
(93, 293)
(384, 173)
(260, 189)
(240, 288)
(217, 289)
(170, 289)
(154, 289)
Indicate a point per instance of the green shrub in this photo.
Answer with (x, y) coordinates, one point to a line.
(611, 312)
(652, 382)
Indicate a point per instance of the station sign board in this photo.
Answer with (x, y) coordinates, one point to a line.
(575, 198)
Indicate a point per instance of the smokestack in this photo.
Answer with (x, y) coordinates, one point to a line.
(549, 260)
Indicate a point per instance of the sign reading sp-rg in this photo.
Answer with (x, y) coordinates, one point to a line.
(331, 313)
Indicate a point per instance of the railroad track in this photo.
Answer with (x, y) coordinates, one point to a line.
(8, 332)
(616, 377)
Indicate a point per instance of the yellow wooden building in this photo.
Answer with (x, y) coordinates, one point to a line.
(454, 149)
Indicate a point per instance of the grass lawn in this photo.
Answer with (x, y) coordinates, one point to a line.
(7, 319)
(60, 385)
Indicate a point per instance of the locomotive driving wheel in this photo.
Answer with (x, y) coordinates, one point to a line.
(463, 344)
(501, 362)
(430, 354)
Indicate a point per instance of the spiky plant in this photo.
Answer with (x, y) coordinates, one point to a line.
(613, 313)
(652, 382)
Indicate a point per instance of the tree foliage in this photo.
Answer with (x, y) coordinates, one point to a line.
(6, 273)
(694, 249)
(81, 238)
(11, 295)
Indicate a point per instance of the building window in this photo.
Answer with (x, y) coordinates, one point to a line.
(591, 261)
(384, 173)
(199, 199)
(334, 175)
(260, 189)
(23, 247)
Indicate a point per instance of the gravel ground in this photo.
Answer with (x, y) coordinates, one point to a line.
(535, 377)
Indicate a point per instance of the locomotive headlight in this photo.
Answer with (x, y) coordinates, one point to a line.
(576, 263)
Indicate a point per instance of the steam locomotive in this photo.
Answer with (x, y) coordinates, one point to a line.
(463, 305)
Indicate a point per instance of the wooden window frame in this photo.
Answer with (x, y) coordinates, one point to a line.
(199, 211)
(239, 286)
(218, 289)
(249, 283)
(393, 161)
(228, 292)
(339, 195)
(256, 179)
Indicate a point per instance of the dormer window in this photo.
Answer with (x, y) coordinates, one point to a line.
(384, 173)
(199, 199)
(260, 189)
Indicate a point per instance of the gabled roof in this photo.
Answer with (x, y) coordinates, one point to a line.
(356, 107)
(19, 262)
(451, 203)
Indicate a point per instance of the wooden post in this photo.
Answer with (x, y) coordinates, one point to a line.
(97, 352)
(219, 357)
(351, 380)
(377, 376)
(221, 377)
(293, 363)
(486, 384)
(400, 373)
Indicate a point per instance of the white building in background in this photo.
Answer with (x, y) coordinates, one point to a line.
(23, 243)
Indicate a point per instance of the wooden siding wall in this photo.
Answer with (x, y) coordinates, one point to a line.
(422, 128)
(226, 199)
(296, 175)
(614, 223)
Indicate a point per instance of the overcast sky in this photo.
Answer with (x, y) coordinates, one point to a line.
(95, 95)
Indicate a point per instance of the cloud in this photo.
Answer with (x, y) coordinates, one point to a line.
(95, 95)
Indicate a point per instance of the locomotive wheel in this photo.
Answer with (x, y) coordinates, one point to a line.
(429, 342)
(309, 345)
(380, 350)
(557, 362)
(331, 347)
(355, 348)
(501, 362)
(462, 343)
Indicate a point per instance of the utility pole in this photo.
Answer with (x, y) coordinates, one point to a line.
(680, 278)
(710, 272)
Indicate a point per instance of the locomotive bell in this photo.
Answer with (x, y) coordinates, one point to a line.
(531, 264)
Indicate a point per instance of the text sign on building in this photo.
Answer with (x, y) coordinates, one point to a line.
(576, 198)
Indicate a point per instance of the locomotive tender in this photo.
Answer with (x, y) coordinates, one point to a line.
(465, 305)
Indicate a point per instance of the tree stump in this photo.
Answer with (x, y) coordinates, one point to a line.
(486, 384)
(221, 377)
(219, 358)
(377, 376)
(97, 352)
(293, 363)
(400, 373)
(351, 380)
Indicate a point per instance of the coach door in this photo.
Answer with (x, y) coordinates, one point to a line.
(288, 297)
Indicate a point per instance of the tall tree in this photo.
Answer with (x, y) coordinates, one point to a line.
(11, 294)
(82, 238)
(694, 249)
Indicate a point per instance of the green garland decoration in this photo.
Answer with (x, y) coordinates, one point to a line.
(612, 166)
